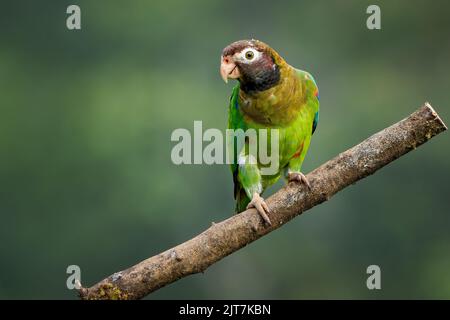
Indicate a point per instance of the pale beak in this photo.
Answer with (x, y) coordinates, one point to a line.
(228, 69)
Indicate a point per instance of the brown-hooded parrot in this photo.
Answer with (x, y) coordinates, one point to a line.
(270, 94)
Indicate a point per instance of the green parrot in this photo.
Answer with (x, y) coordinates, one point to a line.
(270, 94)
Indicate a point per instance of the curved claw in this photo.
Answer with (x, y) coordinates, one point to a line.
(261, 206)
(300, 177)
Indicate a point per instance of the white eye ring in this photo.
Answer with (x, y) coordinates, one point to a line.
(249, 55)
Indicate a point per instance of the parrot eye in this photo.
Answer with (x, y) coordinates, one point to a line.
(249, 55)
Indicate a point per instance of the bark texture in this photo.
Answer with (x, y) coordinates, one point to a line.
(228, 236)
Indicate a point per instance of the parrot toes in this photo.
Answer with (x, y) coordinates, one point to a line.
(300, 177)
(261, 206)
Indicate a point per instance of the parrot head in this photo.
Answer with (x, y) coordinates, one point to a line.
(253, 63)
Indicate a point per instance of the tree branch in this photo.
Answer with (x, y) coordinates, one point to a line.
(228, 236)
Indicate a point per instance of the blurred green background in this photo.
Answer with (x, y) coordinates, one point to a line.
(85, 124)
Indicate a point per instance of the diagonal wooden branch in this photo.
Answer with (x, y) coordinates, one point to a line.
(228, 236)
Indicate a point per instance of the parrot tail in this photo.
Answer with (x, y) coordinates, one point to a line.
(241, 200)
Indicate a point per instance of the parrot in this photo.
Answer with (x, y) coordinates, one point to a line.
(269, 94)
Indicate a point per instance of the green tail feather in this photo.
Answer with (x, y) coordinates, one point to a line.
(241, 200)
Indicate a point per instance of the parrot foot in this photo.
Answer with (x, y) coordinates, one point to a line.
(300, 177)
(261, 206)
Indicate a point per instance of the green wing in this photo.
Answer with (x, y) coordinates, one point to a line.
(236, 121)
